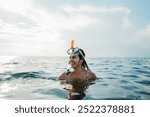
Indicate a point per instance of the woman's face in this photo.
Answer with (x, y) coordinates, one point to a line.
(74, 60)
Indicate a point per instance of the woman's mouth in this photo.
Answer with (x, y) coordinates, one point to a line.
(72, 63)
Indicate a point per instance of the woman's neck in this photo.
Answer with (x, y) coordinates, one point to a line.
(78, 70)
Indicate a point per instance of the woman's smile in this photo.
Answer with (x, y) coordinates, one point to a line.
(72, 63)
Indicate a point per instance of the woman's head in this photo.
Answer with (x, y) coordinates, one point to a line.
(77, 57)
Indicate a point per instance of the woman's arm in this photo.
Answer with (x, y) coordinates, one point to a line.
(62, 76)
(92, 76)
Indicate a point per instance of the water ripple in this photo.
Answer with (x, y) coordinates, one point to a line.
(144, 82)
(35, 77)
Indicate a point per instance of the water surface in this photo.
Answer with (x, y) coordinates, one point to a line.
(36, 78)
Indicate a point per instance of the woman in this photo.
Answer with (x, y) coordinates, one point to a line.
(81, 71)
(76, 80)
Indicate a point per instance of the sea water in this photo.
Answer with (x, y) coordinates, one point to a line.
(36, 78)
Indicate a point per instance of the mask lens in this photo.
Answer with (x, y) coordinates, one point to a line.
(69, 51)
(73, 50)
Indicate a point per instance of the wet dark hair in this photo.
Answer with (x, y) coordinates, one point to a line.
(82, 53)
(82, 58)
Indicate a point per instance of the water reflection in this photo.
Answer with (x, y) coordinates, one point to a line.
(76, 89)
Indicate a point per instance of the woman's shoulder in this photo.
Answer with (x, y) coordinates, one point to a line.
(62, 76)
(91, 75)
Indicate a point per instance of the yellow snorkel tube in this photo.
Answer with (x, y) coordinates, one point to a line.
(72, 43)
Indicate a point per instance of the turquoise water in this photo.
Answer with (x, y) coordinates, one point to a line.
(36, 78)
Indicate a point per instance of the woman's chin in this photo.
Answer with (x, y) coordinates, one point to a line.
(72, 69)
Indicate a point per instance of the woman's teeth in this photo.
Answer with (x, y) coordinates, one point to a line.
(72, 63)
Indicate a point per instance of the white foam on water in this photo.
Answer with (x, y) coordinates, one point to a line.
(4, 88)
(6, 67)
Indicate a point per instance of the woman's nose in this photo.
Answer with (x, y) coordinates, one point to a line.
(70, 60)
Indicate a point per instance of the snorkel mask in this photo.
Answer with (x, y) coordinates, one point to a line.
(75, 51)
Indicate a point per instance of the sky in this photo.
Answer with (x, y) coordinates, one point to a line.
(102, 28)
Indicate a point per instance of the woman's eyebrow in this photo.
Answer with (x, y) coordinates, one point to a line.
(72, 56)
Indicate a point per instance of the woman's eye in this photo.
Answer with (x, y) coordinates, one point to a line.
(72, 57)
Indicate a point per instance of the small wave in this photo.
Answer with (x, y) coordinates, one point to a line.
(146, 67)
(15, 63)
(143, 72)
(129, 87)
(143, 92)
(135, 68)
(147, 75)
(121, 98)
(104, 84)
(111, 78)
(33, 74)
(131, 76)
(119, 66)
(124, 81)
(91, 63)
(144, 82)
(26, 75)
(128, 97)
(55, 91)
(11, 63)
(134, 97)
